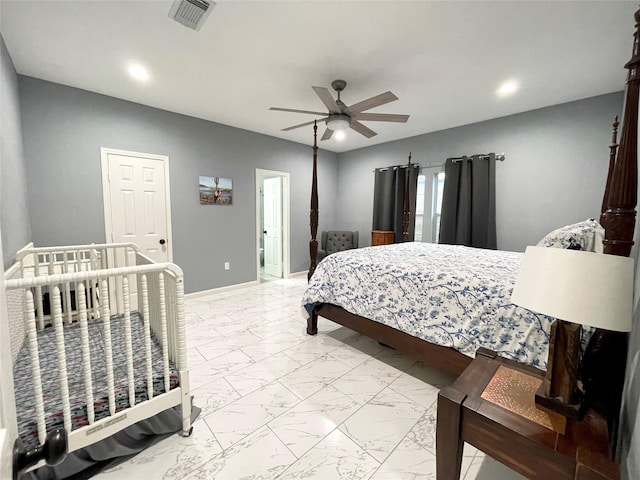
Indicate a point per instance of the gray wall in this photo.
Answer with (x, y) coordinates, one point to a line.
(64, 129)
(554, 173)
(14, 213)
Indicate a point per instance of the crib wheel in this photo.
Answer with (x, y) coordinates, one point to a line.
(188, 433)
(53, 451)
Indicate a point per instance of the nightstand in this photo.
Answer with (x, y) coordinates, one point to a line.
(491, 406)
(382, 237)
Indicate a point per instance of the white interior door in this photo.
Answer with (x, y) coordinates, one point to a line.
(137, 205)
(8, 427)
(273, 226)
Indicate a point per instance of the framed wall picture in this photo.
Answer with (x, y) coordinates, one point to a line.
(216, 191)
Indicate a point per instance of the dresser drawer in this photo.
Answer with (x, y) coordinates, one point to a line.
(382, 237)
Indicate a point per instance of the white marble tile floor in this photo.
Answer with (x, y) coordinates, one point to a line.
(279, 404)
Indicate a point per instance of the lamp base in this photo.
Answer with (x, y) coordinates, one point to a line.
(559, 390)
(556, 404)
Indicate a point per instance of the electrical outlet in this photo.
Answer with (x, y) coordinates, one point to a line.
(226, 265)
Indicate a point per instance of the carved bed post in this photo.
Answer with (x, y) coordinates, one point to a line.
(406, 214)
(619, 216)
(613, 148)
(606, 356)
(313, 244)
(312, 321)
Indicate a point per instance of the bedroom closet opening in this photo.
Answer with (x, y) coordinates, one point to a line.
(272, 225)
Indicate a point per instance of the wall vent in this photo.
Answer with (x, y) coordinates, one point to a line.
(191, 13)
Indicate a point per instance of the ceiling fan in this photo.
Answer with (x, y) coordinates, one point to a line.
(341, 116)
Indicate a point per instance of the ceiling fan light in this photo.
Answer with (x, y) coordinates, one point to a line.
(338, 122)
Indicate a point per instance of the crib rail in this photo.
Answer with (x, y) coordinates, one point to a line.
(85, 287)
(65, 259)
(37, 261)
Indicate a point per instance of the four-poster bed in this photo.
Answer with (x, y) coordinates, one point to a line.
(617, 218)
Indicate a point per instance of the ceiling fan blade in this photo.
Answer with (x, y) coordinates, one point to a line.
(327, 134)
(327, 99)
(296, 111)
(301, 125)
(372, 102)
(361, 129)
(380, 117)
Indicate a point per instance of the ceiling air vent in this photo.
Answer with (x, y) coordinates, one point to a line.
(191, 13)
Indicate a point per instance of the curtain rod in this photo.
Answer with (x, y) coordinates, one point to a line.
(399, 166)
(499, 157)
(382, 169)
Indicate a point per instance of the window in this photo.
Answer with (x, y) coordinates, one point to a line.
(419, 208)
(436, 205)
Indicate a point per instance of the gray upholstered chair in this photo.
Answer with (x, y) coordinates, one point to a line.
(335, 241)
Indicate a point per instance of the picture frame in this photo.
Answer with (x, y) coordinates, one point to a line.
(215, 190)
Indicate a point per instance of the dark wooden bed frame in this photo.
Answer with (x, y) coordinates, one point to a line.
(617, 217)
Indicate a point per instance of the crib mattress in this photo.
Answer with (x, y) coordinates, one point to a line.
(23, 381)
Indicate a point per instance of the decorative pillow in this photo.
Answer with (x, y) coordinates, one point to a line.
(587, 236)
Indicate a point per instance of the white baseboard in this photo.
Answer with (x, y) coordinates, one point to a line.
(298, 274)
(204, 293)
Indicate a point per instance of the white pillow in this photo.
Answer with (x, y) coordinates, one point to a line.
(587, 235)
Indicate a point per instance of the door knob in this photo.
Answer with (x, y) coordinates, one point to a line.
(162, 241)
(265, 232)
(53, 451)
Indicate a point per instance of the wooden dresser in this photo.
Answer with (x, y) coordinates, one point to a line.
(382, 237)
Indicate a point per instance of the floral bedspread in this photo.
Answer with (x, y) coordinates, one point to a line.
(449, 295)
(23, 381)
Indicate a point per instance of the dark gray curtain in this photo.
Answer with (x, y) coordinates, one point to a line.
(388, 199)
(468, 214)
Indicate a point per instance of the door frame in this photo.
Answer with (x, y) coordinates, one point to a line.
(286, 215)
(108, 226)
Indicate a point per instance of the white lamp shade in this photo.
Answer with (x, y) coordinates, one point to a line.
(588, 288)
(338, 122)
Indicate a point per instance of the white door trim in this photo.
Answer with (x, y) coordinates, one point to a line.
(108, 227)
(286, 252)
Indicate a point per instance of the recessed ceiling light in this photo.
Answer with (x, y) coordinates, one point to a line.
(507, 88)
(139, 72)
(340, 135)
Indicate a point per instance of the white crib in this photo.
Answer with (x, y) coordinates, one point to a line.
(97, 341)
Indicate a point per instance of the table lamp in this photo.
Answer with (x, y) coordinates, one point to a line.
(576, 288)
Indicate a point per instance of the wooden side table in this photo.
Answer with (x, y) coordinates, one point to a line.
(491, 407)
(382, 237)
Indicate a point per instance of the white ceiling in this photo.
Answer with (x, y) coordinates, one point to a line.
(444, 60)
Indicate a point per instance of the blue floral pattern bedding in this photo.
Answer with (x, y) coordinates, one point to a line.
(23, 381)
(448, 295)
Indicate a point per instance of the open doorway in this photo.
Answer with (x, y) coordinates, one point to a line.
(272, 225)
